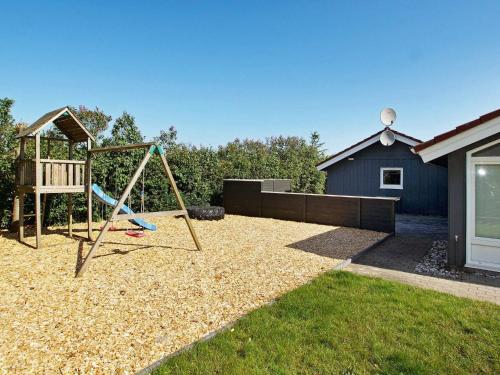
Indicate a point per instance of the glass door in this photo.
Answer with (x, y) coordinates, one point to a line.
(487, 200)
(483, 250)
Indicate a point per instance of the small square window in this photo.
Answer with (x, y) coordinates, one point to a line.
(391, 178)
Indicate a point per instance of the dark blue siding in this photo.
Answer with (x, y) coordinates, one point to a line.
(425, 186)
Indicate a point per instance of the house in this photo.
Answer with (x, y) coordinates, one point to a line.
(368, 168)
(471, 153)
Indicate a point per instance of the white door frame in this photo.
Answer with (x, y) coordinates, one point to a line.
(471, 239)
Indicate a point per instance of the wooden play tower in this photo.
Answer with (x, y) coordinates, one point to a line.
(41, 176)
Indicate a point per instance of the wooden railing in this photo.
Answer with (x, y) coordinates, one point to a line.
(25, 173)
(62, 172)
(54, 172)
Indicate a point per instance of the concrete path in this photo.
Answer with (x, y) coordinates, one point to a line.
(456, 288)
(396, 258)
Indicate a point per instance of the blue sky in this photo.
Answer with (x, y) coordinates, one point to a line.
(221, 70)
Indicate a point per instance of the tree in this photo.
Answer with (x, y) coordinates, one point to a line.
(7, 159)
(118, 167)
(96, 121)
(125, 130)
(168, 138)
(277, 157)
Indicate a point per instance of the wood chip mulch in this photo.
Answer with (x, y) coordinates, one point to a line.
(142, 299)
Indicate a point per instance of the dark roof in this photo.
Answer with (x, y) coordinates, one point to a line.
(459, 129)
(364, 140)
(65, 120)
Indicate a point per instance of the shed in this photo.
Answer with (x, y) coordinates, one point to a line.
(368, 168)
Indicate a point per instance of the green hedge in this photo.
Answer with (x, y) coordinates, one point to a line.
(198, 170)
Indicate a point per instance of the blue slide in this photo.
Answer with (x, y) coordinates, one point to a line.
(106, 199)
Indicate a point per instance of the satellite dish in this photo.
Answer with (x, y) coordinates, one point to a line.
(388, 116)
(387, 138)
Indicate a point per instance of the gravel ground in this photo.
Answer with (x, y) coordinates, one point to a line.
(142, 299)
(434, 263)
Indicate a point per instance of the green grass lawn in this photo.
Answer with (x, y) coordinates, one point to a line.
(342, 323)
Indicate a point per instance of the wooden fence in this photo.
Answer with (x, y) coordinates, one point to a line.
(265, 198)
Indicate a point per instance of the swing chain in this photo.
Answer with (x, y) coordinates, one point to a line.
(131, 232)
(142, 193)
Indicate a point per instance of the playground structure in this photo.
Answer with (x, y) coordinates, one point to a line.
(42, 176)
(105, 199)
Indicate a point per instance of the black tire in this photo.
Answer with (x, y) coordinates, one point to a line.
(206, 213)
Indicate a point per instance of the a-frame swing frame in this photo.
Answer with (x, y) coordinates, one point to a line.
(115, 214)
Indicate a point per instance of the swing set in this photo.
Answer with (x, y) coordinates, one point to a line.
(121, 211)
(43, 175)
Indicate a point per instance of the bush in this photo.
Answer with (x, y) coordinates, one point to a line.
(198, 170)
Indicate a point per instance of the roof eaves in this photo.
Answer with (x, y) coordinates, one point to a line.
(459, 129)
(347, 149)
(366, 140)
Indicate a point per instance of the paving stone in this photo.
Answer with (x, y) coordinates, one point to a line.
(416, 255)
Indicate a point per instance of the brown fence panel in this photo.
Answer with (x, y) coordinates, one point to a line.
(242, 197)
(333, 210)
(246, 197)
(284, 206)
(378, 214)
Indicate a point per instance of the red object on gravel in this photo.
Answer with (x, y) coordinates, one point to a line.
(135, 233)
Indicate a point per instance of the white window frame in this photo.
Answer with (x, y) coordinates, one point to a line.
(384, 186)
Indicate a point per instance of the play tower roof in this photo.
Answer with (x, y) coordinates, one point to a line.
(64, 120)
